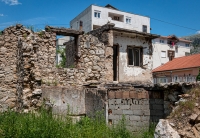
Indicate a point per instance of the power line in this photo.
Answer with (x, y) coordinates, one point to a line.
(174, 24)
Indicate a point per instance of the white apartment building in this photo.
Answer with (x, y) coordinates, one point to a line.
(96, 16)
(165, 48)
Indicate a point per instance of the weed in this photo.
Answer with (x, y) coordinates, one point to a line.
(44, 124)
(55, 83)
(183, 106)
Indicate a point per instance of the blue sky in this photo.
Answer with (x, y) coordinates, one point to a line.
(163, 13)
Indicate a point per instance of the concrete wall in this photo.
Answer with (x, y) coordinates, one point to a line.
(133, 73)
(136, 20)
(158, 47)
(184, 75)
(138, 106)
(87, 16)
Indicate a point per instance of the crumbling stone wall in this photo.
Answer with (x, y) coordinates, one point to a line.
(38, 58)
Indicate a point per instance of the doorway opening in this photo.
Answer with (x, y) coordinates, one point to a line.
(115, 62)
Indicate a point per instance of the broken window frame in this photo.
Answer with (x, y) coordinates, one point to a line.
(134, 59)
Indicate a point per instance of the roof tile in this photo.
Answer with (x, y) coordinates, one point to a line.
(180, 63)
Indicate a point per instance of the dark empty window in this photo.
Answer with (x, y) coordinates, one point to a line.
(171, 55)
(144, 28)
(134, 56)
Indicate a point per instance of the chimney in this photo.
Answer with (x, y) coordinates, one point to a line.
(81, 26)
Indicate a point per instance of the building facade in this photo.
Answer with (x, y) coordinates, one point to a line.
(130, 41)
(181, 69)
(95, 16)
(167, 48)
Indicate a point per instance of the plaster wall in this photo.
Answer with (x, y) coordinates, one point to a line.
(133, 73)
(158, 47)
(85, 17)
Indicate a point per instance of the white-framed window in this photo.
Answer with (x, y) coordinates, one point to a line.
(163, 54)
(187, 45)
(97, 14)
(128, 20)
(162, 41)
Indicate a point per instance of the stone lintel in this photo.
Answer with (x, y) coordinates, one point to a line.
(63, 31)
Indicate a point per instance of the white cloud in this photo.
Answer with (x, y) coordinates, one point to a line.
(11, 2)
(1, 14)
(198, 32)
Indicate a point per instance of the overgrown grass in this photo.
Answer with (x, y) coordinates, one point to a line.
(189, 105)
(45, 125)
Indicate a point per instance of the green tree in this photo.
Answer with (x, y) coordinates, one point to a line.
(62, 63)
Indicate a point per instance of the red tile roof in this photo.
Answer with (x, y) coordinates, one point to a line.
(180, 63)
(180, 39)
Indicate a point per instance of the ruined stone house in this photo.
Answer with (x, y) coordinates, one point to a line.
(105, 75)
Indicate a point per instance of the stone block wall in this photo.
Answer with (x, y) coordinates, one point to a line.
(138, 106)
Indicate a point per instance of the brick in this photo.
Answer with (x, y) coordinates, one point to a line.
(117, 112)
(135, 101)
(128, 112)
(111, 101)
(129, 101)
(141, 102)
(126, 117)
(135, 107)
(118, 94)
(114, 117)
(134, 117)
(147, 112)
(133, 94)
(138, 112)
(112, 107)
(159, 101)
(124, 102)
(124, 107)
(152, 101)
(142, 95)
(115, 122)
(157, 112)
(145, 118)
(144, 107)
(118, 101)
(146, 101)
(111, 94)
(125, 95)
(147, 95)
(159, 107)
